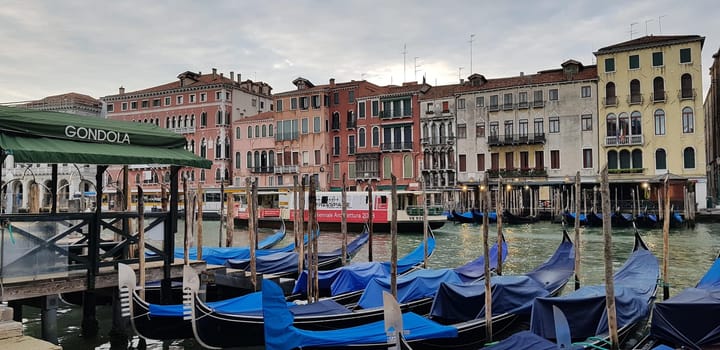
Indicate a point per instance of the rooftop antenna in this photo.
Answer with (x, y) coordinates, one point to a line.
(646, 25)
(416, 67)
(632, 31)
(660, 23)
(404, 52)
(472, 38)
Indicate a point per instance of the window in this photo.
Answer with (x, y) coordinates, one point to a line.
(509, 160)
(361, 110)
(585, 91)
(658, 89)
(270, 130)
(625, 162)
(305, 125)
(248, 160)
(351, 144)
(481, 162)
(336, 171)
(462, 163)
(461, 103)
(537, 97)
(538, 127)
(361, 137)
(167, 101)
(612, 161)
(634, 62)
(203, 97)
(657, 58)
(611, 125)
(317, 157)
(316, 125)
(635, 96)
(523, 99)
(203, 119)
(587, 158)
(494, 101)
(315, 101)
(375, 109)
(553, 94)
(524, 160)
(110, 107)
(407, 167)
(660, 159)
(480, 130)
(495, 161)
(480, 101)
(304, 103)
(494, 129)
(156, 102)
(554, 124)
(375, 136)
(539, 160)
(461, 131)
(508, 129)
(336, 146)
(685, 56)
(688, 121)
(689, 158)
(279, 104)
(250, 132)
(238, 157)
(237, 133)
(133, 105)
(507, 101)
(610, 97)
(351, 96)
(637, 162)
(293, 103)
(586, 120)
(192, 98)
(387, 167)
(686, 89)
(179, 100)
(145, 104)
(555, 159)
(609, 65)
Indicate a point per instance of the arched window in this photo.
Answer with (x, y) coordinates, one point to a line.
(237, 133)
(658, 89)
(336, 121)
(203, 148)
(173, 122)
(635, 96)
(270, 130)
(192, 120)
(610, 97)
(660, 159)
(256, 160)
(202, 175)
(625, 159)
(612, 160)
(686, 89)
(375, 136)
(250, 132)
(185, 121)
(689, 158)
(688, 120)
(635, 123)
(203, 119)
(407, 167)
(264, 130)
(248, 161)
(637, 159)
(137, 178)
(425, 132)
(659, 122)
(611, 125)
(218, 149)
(237, 160)
(167, 123)
(257, 130)
(361, 137)
(433, 134)
(387, 167)
(219, 118)
(217, 174)
(623, 126)
(263, 159)
(271, 159)
(227, 147)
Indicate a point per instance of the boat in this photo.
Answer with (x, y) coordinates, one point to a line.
(676, 220)
(646, 220)
(619, 219)
(585, 310)
(688, 320)
(512, 219)
(594, 219)
(280, 205)
(570, 218)
(478, 216)
(419, 332)
(462, 218)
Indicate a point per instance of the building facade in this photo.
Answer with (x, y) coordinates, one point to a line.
(712, 131)
(651, 113)
(254, 146)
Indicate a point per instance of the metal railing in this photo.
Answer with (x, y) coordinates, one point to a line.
(515, 139)
(635, 99)
(624, 140)
(658, 96)
(610, 101)
(396, 114)
(686, 94)
(286, 169)
(262, 169)
(396, 146)
(518, 172)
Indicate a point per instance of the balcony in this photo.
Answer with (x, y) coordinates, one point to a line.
(635, 99)
(367, 174)
(658, 96)
(262, 170)
(184, 130)
(686, 94)
(523, 105)
(629, 140)
(507, 107)
(610, 101)
(335, 125)
(285, 136)
(351, 123)
(538, 104)
(396, 146)
(493, 108)
(516, 139)
(286, 169)
(441, 141)
(396, 114)
(437, 166)
(517, 172)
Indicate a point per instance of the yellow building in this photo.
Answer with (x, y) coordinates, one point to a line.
(651, 112)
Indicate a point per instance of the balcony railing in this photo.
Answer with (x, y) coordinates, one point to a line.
(351, 123)
(184, 130)
(658, 96)
(624, 140)
(507, 106)
(367, 174)
(686, 94)
(286, 169)
(538, 104)
(516, 139)
(442, 140)
(335, 125)
(286, 136)
(610, 101)
(493, 108)
(395, 114)
(518, 172)
(262, 170)
(523, 105)
(635, 99)
(396, 146)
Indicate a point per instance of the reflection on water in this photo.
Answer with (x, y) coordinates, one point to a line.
(691, 253)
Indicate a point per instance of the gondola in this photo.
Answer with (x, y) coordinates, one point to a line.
(570, 218)
(676, 220)
(688, 320)
(464, 218)
(165, 322)
(425, 333)
(512, 219)
(646, 220)
(594, 219)
(620, 220)
(585, 310)
(478, 216)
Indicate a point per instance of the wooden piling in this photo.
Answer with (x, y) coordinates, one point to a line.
(499, 212)
(343, 220)
(486, 254)
(666, 239)
(393, 237)
(222, 209)
(425, 224)
(609, 282)
(312, 246)
(371, 223)
(301, 228)
(230, 221)
(251, 230)
(186, 233)
(199, 220)
(577, 231)
(141, 240)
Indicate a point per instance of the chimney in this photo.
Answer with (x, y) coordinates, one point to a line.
(522, 74)
(462, 80)
(232, 75)
(221, 75)
(332, 82)
(214, 73)
(239, 78)
(122, 90)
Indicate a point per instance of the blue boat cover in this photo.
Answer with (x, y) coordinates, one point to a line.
(413, 286)
(678, 217)
(476, 269)
(251, 304)
(583, 218)
(272, 240)
(280, 334)
(585, 308)
(219, 255)
(690, 318)
(352, 248)
(281, 262)
(524, 340)
(355, 277)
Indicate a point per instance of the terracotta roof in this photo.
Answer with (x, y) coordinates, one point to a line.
(543, 77)
(441, 91)
(67, 98)
(261, 116)
(200, 80)
(650, 41)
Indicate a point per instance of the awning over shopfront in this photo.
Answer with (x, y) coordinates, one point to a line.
(32, 136)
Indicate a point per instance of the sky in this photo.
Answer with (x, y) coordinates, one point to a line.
(93, 47)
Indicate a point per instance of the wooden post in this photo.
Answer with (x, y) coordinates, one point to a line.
(577, 231)
(609, 283)
(301, 229)
(316, 231)
(425, 225)
(254, 234)
(199, 220)
(312, 266)
(295, 210)
(222, 209)
(141, 240)
(186, 234)
(343, 221)
(499, 212)
(33, 198)
(666, 239)
(230, 221)
(251, 229)
(371, 223)
(486, 253)
(632, 198)
(661, 210)
(393, 237)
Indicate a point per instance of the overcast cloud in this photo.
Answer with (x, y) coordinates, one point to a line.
(93, 47)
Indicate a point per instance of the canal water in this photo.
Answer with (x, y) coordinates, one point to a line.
(691, 253)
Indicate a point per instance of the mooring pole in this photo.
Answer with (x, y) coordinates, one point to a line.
(343, 220)
(666, 239)
(169, 238)
(393, 237)
(371, 223)
(486, 253)
(499, 212)
(609, 282)
(577, 230)
(199, 220)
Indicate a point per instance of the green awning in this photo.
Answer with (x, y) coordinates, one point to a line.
(51, 137)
